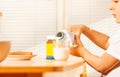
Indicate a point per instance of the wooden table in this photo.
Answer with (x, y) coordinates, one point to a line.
(35, 67)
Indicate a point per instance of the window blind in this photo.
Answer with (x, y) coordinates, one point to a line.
(87, 11)
(26, 23)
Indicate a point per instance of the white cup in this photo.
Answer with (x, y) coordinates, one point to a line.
(4, 49)
(61, 53)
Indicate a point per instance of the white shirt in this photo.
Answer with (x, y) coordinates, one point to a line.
(114, 50)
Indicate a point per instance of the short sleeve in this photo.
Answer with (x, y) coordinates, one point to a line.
(114, 47)
(114, 50)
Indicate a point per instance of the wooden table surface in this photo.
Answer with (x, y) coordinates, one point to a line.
(37, 65)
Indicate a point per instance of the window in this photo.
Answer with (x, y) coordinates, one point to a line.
(27, 22)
